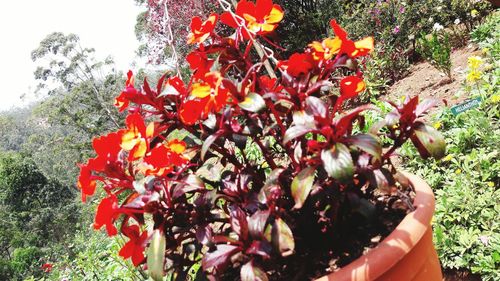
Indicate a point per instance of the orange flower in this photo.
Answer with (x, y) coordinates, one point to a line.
(325, 50)
(260, 18)
(162, 159)
(136, 138)
(208, 96)
(201, 30)
(351, 48)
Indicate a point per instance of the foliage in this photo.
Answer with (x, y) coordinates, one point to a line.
(89, 256)
(487, 34)
(436, 49)
(467, 181)
(79, 94)
(256, 220)
(34, 211)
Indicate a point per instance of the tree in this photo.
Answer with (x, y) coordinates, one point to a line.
(80, 92)
(36, 213)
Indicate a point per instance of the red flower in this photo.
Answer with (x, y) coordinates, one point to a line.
(162, 159)
(200, 63)
(201, 30)
(106, 214)
(209, 96)
(260, 18)
(123, 100)
(298, 64)
(134, 248)
(270, 85)
(351, 86)
(136, 138)
(107, 149)
(350, 48)
(47, 267)
(177, 84)
(85, 182)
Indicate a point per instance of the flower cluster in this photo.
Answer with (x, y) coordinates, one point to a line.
(249, 219)
(474, 74)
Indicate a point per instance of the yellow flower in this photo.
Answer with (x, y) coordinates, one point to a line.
(490, 184)
(474, 13)
(437, 125)
(448, 157)
(458, 171)
(473, 76)
(474, 62)
(495, 98)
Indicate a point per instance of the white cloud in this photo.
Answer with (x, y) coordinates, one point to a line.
(106, 25)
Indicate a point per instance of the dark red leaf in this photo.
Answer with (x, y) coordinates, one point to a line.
(257, 223)
(219, 258)
(338, 162)
(428, 141)
(281, 236)
(302, 185)
(208, 142)
(424, 106)
(239, 222)
(261, 248)
(250, 272)
(189, 184)
(316, 107)
(367, 143)
(295, 132)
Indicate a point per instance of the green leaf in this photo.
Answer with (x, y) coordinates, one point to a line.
(428, 141)
(302, 185)
(281, 236)
(156, 255)
(253, 102)
(338, 162)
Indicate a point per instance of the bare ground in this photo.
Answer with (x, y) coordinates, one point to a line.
(428, 82)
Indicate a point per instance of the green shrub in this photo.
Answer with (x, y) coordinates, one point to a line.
(27, 261)
(467, 181)
(436, 49)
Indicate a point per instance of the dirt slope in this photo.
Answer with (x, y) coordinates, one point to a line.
(428, 82)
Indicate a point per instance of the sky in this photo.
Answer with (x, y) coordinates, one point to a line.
(106, 25)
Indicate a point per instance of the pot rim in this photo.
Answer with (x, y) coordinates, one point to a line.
(395, 246)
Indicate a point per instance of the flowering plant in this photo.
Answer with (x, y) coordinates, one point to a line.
(317, 167)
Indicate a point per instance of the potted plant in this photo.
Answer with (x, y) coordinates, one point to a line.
(264, 176)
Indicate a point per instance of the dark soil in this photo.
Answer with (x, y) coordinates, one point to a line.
(459, 275)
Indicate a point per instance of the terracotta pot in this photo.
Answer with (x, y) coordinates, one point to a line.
(406, 254)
